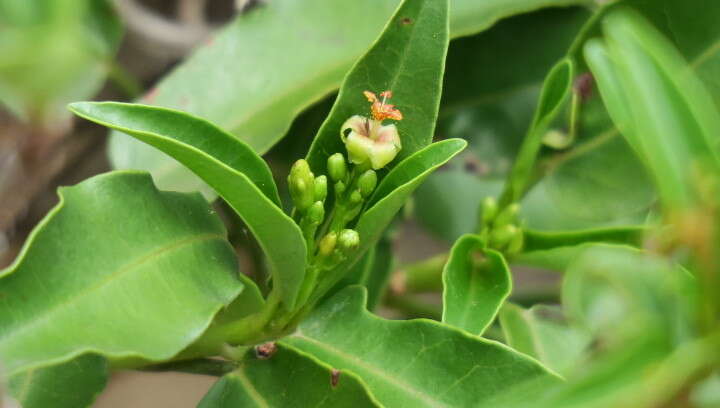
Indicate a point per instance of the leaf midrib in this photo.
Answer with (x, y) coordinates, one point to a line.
(250, 388)
(48, 313)
(376, 371)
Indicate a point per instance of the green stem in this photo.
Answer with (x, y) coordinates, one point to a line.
(423, 276)
(413, 308)
(205, 366)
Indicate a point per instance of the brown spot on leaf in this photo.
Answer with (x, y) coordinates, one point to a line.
(406, 21)
(266, 350)
(334, 377)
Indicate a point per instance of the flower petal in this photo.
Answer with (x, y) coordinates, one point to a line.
(357, 124)
(359, 147)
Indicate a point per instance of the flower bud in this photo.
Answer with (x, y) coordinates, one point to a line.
(500, 237)
(355, 197)
(337, 168)
(516, 243)
(320, 188)
(489, 210)
(301, 182)
(339, 188)
(367, 182)
(507, 216)
(327, 244)
(349, 239)
(316, 213)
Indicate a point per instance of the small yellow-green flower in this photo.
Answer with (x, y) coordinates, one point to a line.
(368, 140)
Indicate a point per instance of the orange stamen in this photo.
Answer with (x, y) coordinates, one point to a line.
(381, 110)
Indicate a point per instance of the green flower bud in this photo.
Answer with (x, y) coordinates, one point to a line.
(516, 244)
(320, 188)
(316, 213)
(367, 182)
(349, 240)
(327, 244)
(500, 237)
(339, 188)
(489, 210)
(507, 216)
(301, 182)
(337, 167)
(355, 197)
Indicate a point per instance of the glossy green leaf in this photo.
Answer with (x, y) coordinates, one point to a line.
(146, 270)
(76, 40)
(407, 59)
(416, 363)
(476, 282)
(289, 378)
(243, 81)
(692, 26)
(73, 384)
(671, 121)
(402, 181)
(228, 165)
(543, 333)
(554, 94)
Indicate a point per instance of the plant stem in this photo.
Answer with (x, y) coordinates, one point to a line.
(205, 366)
(412, 307)
(419, 277)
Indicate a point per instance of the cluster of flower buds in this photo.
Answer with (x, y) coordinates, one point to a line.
(501, 228)
(308, 194)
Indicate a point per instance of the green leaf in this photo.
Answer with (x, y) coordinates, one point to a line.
(416, 363)
(400, 184)
(228, 165)
(696, 34)
(420, 164)
(476, 282)
(671, 119)
(196, 143)
(555, 250)
(146, 270)
(289, 378)
(620, 292)
(542, 332)
(555, 91)
(543, 240)
(77, 41)
(601, 173)
(407, 59)
(72, 384)
(243, 81)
